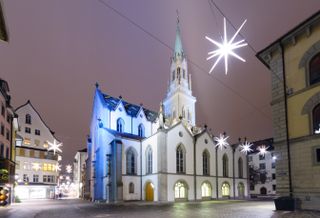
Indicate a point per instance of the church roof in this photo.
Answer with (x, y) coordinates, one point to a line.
(131, 109)
(124, 135)
(178, 50)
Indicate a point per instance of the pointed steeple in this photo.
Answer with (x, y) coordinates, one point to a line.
(178, 50)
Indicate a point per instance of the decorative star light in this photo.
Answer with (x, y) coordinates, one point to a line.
(262, 150)
(69, 168)
(36, 166)
(317, 131)
(226, 48)
(246, 147)
(54, 146)
(57, 167)
(221, 141)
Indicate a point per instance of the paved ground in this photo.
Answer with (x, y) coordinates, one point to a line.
(76, 208)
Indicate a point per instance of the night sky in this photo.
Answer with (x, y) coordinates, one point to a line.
(59, 49)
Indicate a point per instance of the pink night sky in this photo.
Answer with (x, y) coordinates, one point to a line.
(59, 49)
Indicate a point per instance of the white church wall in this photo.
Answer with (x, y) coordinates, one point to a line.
(173, 179)
(152, 142)
(126, 180)
(205, 142)
(126, 143)
(154, 180)
(211, 181)
(120, 112)
(141, 119)
(228, 151)
(237, 155)
(173, 140)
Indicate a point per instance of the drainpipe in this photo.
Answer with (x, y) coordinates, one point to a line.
(217, 188)
(286, 117)
(195, 169)
(233, 174)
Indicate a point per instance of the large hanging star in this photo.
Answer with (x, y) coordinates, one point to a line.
(226, 48)
(246, 147)
(221, 141)
(57, 167)
(262, 150)
(69, 168)
(54, 146)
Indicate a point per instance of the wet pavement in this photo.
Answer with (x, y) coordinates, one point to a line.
(70, 208)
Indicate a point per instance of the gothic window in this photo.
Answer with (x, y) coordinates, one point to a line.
(183, 74)
(131, 188)
(28, 119)
(149, 160)
(316, 118)
(173, 75)
(131, 162)
(180, 190)
(205, 162)
(183, 113)
(240, 167)
(225, 166)
(2, 150)
(180, 159)
(178, 72)
(141, 130)
(314, 69)
(120, 125)
(206, 190)
(225, 189)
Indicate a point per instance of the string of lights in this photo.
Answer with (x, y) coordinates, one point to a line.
(191, 61)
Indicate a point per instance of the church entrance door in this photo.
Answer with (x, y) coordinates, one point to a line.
(149, 191)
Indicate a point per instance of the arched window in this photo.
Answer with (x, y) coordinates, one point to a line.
(178, 72)
(173, 75)
(131, 188)
(206, 162)
(120, 125)
(180, 159)
(263, 191)
(183, 74)
(149, 160)
(28, 119)
(206, 189)
(225, 189)
(316, 118)
(2, 150)
(240, 167)
(183, 113)
(141, 130)
(225, 166)
(314, 69)
(131, 162)
(180, 190)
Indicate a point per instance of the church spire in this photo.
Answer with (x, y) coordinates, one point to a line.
(178, 50)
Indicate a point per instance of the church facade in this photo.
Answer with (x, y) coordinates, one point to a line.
(138, 154)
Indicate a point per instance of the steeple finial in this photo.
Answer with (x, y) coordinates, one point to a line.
(178, 51)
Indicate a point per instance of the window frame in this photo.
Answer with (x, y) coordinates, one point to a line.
(180, 159)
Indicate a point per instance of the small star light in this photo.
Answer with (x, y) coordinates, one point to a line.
(221, 141)
(54, 146)
(226, 48)
(57, 167)
(36, 166)
(246, 147)
(69, 168)
(262, 150)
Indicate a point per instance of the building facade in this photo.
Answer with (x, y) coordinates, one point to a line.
(7, 130)
(36, 167)
(294, 60)
(137, 154)
(78, 171)
(262, 170)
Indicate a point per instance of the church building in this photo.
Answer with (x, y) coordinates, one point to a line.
(138, 154)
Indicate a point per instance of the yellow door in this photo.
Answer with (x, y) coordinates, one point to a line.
(149, 192)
